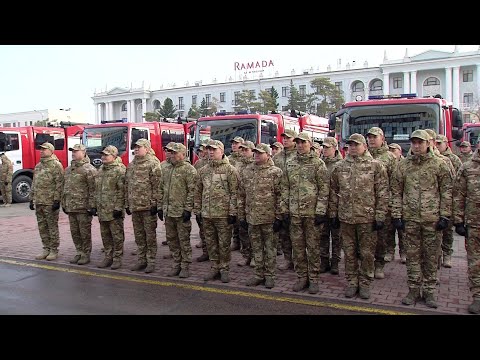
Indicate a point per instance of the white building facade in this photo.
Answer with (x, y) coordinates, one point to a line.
(51, 116)
(454, 75)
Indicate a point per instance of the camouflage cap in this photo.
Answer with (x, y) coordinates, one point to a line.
(330, 142)
(441, 138)
(77, 147)
(238, 139)
(394, 146)
(277, 144)
(290, 133)
(263, 148)
(465, 143)
(303, 136)
(420, 134)
(248, 145)
(177, 147)
(110, 150)
(375, 131)
(170, 143)
(215, 144)
(143, 142)
(47, 145)
(431, 133)
(203, 145)
(356, 138)
(316, 145)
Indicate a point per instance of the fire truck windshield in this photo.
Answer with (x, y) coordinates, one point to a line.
(96, 138)
(226, 130)
(397, 121)
(473, 133)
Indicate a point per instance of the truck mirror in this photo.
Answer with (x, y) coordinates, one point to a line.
(457, 118)
(457, 134)
(192, 131)
(332, 121)
(3, 141)
(272, 128)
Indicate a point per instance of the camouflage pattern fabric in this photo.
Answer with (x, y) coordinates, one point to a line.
(235, 158)
(113, 237)
(198, 165)
(264, 248)
(456, 162)
(79, 186)
(218, 234)
(145, 233)
(390, 240)
(244, 239)
(6, 175)
(47, 183)
(81, 231)
(47, 220)
(465, 157)
(178, 239)
(472, 244)
(110, 190)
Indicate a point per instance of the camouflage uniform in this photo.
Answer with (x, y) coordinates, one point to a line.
(110, 198)
(358, 211)
(198, 165)
(466, 209)
(235, 158)
(465, 157)
(259, 204)
(421, 195)
(216, 201)
(141, 194)
(6, 175)
(78, 197)
(47, 186)
(175, 196)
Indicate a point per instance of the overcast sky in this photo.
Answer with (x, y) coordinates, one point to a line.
(36, 77)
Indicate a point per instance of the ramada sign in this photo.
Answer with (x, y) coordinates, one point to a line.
(254, 66)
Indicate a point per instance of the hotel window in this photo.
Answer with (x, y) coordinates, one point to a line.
(431, 81)
(338, 86)
(284, 91)
(397, 83)
(358, 86)
(376, 85)
(252, 93)
(236, 95)
(222, 97)
(207, 99)
(468, 98)
(124, 107)
(194, 100)
(467, 75)
(181, 105)
(302, 89)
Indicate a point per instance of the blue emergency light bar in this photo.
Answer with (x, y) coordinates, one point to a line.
(394, 96)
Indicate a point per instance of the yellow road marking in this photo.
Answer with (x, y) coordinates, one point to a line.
(363, 309)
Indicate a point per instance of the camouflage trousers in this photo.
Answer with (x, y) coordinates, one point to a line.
(447, 239)
(235, 235)
(218, 234)
(422, 245)
(81, 231)
(245, 246)
(47, 220)
(380, 248)
(390, 243)
(264, 249)
(359, 244)
(306, 247)
(472, 245)
(178, 239)
(145, 232)
(201, 233)
(6, 191)
(113, 237)
(325, 235)
(286, 242)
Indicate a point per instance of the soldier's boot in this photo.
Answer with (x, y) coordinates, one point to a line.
(364, 292)
(350, 291)
(116, 264)
(212, 275)
(175, 270)
(474, 307)
(224, 276)
(140, 265)
(447, 261)
(7, 205)
(150, 268)
(75, 259)
(254, 281)
(269, 282)
(53, 255)
(389, 257)
(84, 259)
(279, 250)
(379, 274)
(313, 287)
(412, 297)
(430, 300)
(235, 246)
(184, 273)
(244, 262)
(252, 263)
(324, 265)
(301, 284)
(403, 258)
(105, 263)
(164, 242)
(334, 267)
(203, 257)
(43, 254)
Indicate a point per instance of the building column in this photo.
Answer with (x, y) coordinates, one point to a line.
(366, 92)
(448, 84)
(129, 111)
(386, 84)
(413, 82)
(144, 109)
(477, 95)
(456, 87)
(111, 111)
(98, 114)
(406, 82)
(133, 111)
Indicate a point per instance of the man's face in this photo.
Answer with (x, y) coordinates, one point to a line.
(375, 141)
(328, 151)
(140, 150)
(215, 153)
(288, 142)
(356, 149)
(419, 146)
(176, 156)
(465, 149)
(275, 150)
(442, 146)
(303, 146)
(396, 152)
(260, 157)
(247, 153)
(44, 153)
(235, 146)
(107, 159)
(78, 155)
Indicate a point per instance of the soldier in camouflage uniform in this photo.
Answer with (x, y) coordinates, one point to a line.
(421, 206)
(317, 148)
(175, 202)
(305, 189)
(330, 157)
(141, 196)
(45, 196)
(280, 160)
(377, 146)
(259, 195)
(465, 151)
(110, 203)
(216, 206)
(466, 210)
(6, 175)
(235, 158)
(164, 164)
(78, 201)
(276, 148)
(359, 198)
(202, 161)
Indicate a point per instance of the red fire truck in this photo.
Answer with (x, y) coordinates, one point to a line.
(398, 116)
(471, 133)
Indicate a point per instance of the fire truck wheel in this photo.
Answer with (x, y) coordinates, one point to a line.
(21, 187)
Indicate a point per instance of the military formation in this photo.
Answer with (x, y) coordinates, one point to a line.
(296, 198)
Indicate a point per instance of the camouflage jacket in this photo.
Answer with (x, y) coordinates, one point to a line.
(259, 193)
(456, 162)
(216, 190)
(465, 157)
(241, 165)
(330, 162)
(177, 188)
(466, 193)
(234, 158)
(359, 190)
(305, 186)
(447, 161)
(280, 159)
(422, 189)
(79, 186)
(142, 179)
(7, 170)
(47, 184)
(110, 190)
(200, 163)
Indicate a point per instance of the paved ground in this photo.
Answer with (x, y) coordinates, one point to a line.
(20, 239)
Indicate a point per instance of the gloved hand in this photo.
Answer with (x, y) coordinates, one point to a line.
(92, 211)
(232, 219)
(117, 214)
(127, 210)
(277, 225)
(460, 229)
(320, 219)
(378, 225)
(56, 205)
(153, 211)
(64, 210)
(160, 214)
(198, 219)
(243, 224)
(335, 223)
(286, 220)
(31, 206)
(442, 224)
(186, 215)
(398, 224)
